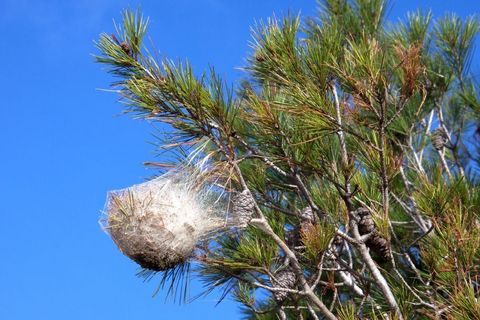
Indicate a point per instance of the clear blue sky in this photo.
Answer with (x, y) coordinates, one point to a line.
(63, 146)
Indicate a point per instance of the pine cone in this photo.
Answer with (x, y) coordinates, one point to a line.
(365, 224)
(259, 57)
(286, 279)
(439, 138)
(243, 208)
(307, 215)
(292, 238)
(380, 246)
(125, 47)
(376, 243)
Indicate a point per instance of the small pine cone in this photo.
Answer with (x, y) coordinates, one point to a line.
(243, 208)
(376, 243)
(259, 57)
(380, 246)
(293, 238)
(439, 138)
(125, 47)
(307, 215)
(365, 224)
(286, 279)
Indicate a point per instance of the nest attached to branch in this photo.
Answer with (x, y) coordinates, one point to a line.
(158, 223)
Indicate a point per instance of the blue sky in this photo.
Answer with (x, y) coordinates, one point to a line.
(64, 144)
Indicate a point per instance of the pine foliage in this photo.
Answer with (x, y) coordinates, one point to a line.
(353, 146)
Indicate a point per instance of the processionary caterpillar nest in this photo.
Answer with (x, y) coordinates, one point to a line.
(158, 223)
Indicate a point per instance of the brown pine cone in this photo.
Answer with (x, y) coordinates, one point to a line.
(286, 279)
(243, 208)
(125, 47)
(376, 243)
(439, 138)
(307, 215)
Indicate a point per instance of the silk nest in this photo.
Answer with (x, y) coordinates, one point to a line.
(159, 223)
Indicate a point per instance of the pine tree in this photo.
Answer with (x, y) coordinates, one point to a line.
(350, 152)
